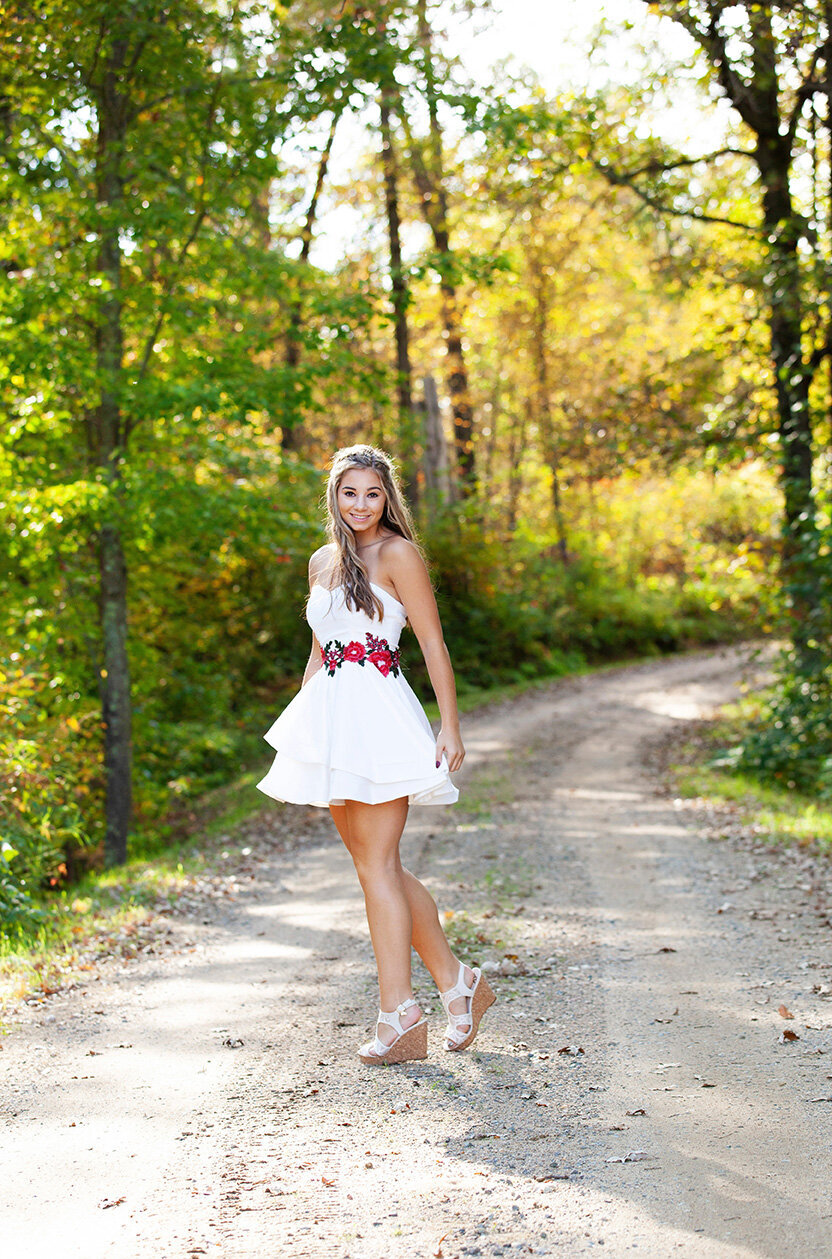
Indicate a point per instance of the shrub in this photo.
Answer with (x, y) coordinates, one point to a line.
(17, 912)
(790, 743)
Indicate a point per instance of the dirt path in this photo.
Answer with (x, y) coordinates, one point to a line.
(678, 1122)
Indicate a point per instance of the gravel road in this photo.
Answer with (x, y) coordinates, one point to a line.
(632, 1090)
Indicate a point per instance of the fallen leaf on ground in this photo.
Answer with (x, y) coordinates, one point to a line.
(110, 1202)
(328, 1183)
(788, 1035)
(784, 1012)
(437, 1251)
(572, 1050)
(639, 1111)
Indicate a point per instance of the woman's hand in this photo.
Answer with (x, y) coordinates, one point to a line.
(451, 745)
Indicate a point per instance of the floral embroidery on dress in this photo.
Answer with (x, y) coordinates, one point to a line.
(378, 651)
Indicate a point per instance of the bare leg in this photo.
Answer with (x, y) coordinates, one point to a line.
(426, 934)
(374, 832)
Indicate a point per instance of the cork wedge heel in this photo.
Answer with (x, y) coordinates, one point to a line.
(410, 1045)
(462, 1028)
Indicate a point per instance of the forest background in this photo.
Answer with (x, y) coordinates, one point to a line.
(239, 235)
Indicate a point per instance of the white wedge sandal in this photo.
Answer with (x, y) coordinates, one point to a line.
(410, 1045)
(462, 1028)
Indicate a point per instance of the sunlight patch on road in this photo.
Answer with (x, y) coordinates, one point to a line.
(674, 704)
(596, 793)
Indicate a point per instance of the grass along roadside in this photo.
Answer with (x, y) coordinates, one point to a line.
(700, 768)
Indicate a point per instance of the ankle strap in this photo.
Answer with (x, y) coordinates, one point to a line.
(400, 1008)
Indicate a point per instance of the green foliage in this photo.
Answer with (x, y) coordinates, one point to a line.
(512, 611)
(18, 912)
(790, 743)
(772, 808)
(595, 342)
(41, 825)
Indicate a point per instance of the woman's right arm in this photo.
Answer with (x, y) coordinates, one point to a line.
(315, 661)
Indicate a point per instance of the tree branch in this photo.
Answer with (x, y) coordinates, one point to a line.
(657, 168)
(312, 208)
(621, 180)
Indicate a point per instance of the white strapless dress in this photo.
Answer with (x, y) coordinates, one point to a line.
(356, 731)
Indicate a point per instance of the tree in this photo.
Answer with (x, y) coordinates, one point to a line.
(771, 62)
(158, 126)
(290, 430)
(428, 168)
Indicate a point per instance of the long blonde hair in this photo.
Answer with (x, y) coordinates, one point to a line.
(347, 567)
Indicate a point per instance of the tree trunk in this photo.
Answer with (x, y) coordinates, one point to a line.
(400, 296)
(792, 384)
(437, 479)
(115, 693)
(291, 434)
(456, 376)
(544, 404)
(429, 177)
(107, 441)
(516, 444)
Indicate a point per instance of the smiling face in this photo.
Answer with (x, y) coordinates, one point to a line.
(361, 501)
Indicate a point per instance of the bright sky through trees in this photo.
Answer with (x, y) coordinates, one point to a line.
(549, 36)
(557, 41)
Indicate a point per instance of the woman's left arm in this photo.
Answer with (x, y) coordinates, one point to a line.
(409, 575)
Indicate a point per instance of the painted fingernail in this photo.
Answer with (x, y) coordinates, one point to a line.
(437, 765)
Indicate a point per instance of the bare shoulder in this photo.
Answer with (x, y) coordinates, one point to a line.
(319, 562)
(400, 556)
(402, 567)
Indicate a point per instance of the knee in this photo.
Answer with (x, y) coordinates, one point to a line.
(373, 868)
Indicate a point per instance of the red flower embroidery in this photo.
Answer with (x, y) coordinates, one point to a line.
(382, 661)
(332, 654)
(378, 651)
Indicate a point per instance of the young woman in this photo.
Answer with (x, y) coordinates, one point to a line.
(356, 740)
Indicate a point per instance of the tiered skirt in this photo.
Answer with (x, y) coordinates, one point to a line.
(355, 735)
